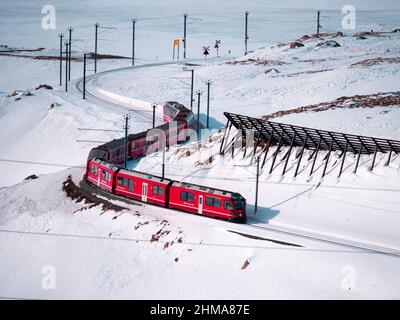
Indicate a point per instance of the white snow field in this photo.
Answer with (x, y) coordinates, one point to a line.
(311, 238)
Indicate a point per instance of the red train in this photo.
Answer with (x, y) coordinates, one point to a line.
(103, 170)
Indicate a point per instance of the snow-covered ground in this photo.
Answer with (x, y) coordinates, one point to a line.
(108, 254)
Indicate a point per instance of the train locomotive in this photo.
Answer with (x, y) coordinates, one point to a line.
(104, 171)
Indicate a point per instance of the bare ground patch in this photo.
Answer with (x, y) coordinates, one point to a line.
(381, 99)
(374, 62)
(78, 195)
(257, 61)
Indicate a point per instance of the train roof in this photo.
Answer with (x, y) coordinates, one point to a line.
(210, 190)
(177, 105)
(112, 144)
(110, 166)
(145, 176)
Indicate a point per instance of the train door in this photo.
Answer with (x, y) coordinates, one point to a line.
(200, 205)
(98, 177)
(144, 192)
(130, 185)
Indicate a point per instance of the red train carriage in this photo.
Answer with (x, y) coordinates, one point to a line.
(101, 174)
(207, 201)
(103, 171)
(143, 187)
(174, 111)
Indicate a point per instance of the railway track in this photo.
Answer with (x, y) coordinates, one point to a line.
(342, 242)
(271, 229)
(252, 223)
(117, 106)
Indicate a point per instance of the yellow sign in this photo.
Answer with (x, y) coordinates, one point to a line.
(176, 42)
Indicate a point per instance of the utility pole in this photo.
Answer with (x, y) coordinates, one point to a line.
(246, 37)
(257, 176)
(154, 114)
(96, 27)
(61, 47)
(199, 93)
(133, 41)
(318, 25)
(66, 66)
(163, 163)
(126, 127)
(208, 82)
(84, 76)
(191, 87)
(191, 90)
(69, 54)
(184, 34)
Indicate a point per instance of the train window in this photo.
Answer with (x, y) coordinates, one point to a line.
(120, 181)
(213, 202)
(184, 195)
(228, 205)
(187, 196)
(158, 190)
(126, 182)
(106, 176)
(93, 170)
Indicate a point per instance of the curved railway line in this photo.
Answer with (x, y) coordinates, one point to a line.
(252, 223)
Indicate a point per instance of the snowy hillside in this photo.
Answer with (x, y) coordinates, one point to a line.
(311, 237)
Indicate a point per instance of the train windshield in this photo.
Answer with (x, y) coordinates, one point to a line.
(238, 201)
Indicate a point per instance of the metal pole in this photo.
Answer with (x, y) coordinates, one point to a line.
(301, 156)
(69, 54)
(389, 157)
(374, 158)
(66, 66)
(184, 35)
(358, 159)
(246, 37)
(96, 26)
(315, 156)
(318, 25)
(126, 141)
(163, 164)
(154, 114)
(84, 76)
(258, 174)
(343, 158)
(191, 90)
(133, 41)
(61, 45)
(208, 102)
(198, 114)
(327, 159)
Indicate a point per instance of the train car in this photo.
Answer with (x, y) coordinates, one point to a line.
(207, 201)
(112, 151)
(137, 145)
(174, 111)
(144, 187)
(102, 174)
